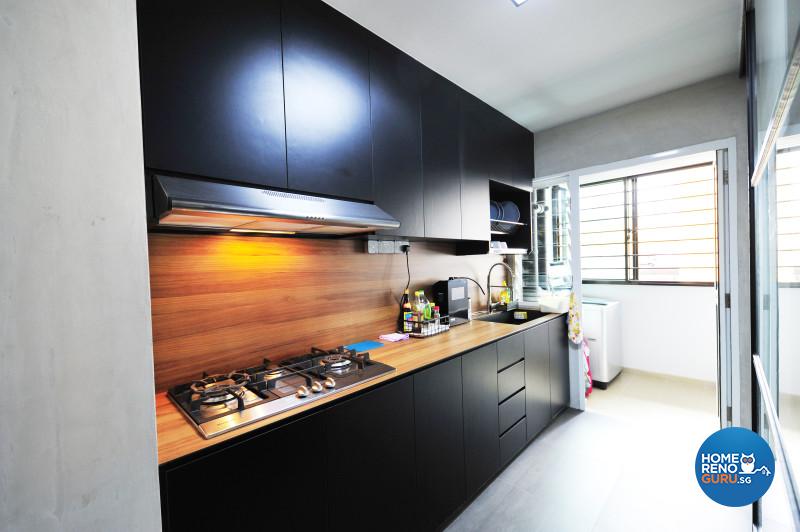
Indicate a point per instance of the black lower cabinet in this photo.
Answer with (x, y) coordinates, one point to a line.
(481, 445)
(559, 365)
(370, 461)
(537, 379)
(438, 416)
(253, 485)
(403, 456)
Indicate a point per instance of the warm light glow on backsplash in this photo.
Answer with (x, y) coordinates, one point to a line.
(225, 301)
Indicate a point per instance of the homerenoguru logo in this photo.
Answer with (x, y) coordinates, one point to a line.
(734, 466)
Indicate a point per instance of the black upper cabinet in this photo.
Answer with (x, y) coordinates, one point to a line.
(212, 91)
(326, 79)
(476, 163)
(559, 365)
(481, 443)
(396, 161)
(439, 443)
(512, 152)
(370, 446)
(440, 155)
(537, 379)
(522, 158)
(271, 468)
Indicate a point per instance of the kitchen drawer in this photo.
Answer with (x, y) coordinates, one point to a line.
(510, 350)
(512, 411)
(510, 381)
(512, 442)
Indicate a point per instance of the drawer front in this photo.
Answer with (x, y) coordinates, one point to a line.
(510, 351)
(512, 411)
(510, 381)
(512, 442)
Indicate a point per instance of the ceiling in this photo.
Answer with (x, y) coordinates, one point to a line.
(552, 61)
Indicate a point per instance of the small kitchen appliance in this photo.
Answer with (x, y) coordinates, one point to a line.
(452, 296)
(216, 404)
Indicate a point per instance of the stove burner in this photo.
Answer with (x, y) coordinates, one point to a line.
(336, 361)
(276, 373)
(214, 389)
(223, 402)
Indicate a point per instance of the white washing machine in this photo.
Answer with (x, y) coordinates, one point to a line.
(602, 329)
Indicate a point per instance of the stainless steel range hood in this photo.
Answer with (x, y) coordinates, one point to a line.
(191, 203)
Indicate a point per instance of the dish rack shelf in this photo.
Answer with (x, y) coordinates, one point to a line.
(501, 227)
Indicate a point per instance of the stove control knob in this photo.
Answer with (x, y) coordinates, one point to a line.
(301, 392)
(329, 382)
(316, 387)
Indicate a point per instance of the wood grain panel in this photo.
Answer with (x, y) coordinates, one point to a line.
(222, 302)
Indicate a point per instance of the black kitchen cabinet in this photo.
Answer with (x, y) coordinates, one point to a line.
(559, 365)
(510, 350)
(476, 162)
(439, 436)
(441, 156)
(537, 379)
(272, 480)
(326, 81)
(522, 158)
(370, 446)
(481, 444)
(212, 89)
(396, 158)
(512, 152)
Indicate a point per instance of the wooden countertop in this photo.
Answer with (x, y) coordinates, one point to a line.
(178, 438)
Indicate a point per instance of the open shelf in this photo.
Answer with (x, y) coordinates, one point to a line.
(516, 235)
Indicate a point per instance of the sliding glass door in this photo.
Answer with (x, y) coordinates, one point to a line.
(773, 64)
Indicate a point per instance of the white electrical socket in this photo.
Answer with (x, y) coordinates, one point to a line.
(387, 246)
(398, 245)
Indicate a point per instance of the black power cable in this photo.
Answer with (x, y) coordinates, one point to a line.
(473, 280)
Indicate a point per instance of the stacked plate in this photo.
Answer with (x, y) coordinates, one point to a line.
(500, 212)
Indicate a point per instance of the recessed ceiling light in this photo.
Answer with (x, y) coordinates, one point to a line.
(519, 2)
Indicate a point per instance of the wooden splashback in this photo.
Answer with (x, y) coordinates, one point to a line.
(222, 302)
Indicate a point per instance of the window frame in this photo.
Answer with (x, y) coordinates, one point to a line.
(632, 233)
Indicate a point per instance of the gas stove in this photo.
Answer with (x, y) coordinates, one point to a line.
(216, 404)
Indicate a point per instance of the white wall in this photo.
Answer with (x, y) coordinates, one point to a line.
(666, 329)
(77, 423)
(708, 111)
(789, 340)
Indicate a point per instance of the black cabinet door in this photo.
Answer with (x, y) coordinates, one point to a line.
(212, 89)
(439, 434)
(559, 365)
(257, 484)
(522, 158)
(498, 149)
(481, 443)
(537, 379)
(512, 146)
(476, 161)
(370, 452)
(396, 160)
(326, 79)
(440, 155)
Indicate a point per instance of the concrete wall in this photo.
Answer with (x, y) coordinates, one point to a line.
(711, 110)
(650, 339)
(77, 423)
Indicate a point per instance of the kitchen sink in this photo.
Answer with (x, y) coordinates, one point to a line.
(507, 316)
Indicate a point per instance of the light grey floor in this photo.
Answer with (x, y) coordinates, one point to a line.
(626, 464)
